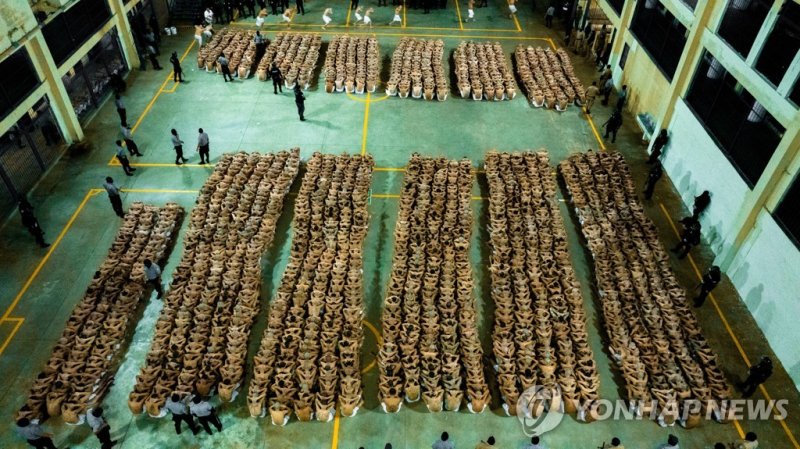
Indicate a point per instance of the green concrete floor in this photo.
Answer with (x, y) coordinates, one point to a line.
(245, 115)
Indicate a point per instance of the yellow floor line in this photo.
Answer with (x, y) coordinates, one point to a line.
(404, 14)
(366, 100)
(349, 7)
(458, 13)
(155, 97)
(384, 195)
(728, 328)
(594, 130)
(366, 125)
(165, 164)
(92, 192)
(13, 333)
(49, 253)
(158, 191)
(552, 44)
(335, 438)
(388, 169)
(516, 22)
(450, 36)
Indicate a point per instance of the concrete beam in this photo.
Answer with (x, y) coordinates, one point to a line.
(763, 33)
(120, 19)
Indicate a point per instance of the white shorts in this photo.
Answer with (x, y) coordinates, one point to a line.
(367, 20)
(470, 14)
(259, 21)
(512, 8)
(359, 17)
(397, 18)
(286, 19)
(326, 19)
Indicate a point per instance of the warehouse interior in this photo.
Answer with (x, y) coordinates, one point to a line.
(722, 77)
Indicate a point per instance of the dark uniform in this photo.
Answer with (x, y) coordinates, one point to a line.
(300, 101)
(277, 78)
(30, 222)
(652, 179)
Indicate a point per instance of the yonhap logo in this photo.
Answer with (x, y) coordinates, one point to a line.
(540, 409)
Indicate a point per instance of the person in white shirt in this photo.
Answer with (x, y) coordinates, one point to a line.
(128, 138)
(179, 408)
(101, 429)
(205, 414)
(326, 17)
(33, 433)
(443, 442)
(113, 196)
(358, 15)
(152, 275)
(202, 146)
(209, 16)
(750, 441)
(672, 443)
(177, 143)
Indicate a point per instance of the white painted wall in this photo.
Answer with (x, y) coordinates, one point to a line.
(695, 163)
(765, 272)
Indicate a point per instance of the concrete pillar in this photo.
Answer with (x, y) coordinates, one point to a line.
(59, 99)
(766, 194)
(120, 20)
(706, 14)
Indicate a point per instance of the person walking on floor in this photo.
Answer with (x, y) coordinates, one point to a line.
(300, 101)
(127, 135)
(710, 280)
(616, 443)
(205, 414)
(179, 408)
(606, 74)
(354, 4)
(512, 8)
(443, 442)
(177, 144)
(224, 68)
(652, 178)
(202, 146)
(123, 159)
(177, 72)
(701, 203)
(113, 196)
(622, 98)
(608, 87)
(758, 374)
(101, 429)
(613, 124)
(691, 237)
(470, 11)
(591, 94)
(396, 20)
(277, 78)
(658, 146)
(151, 54)
(152, 275)
(123, 113)
(548, 16)
(31, 223)
(326, 18)
(33, 433)
(300, 7)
